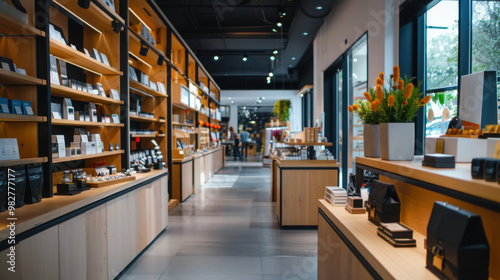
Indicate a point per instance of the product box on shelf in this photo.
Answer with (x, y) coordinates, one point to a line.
(465, 149)
(9, 149)
(4, 105)
(27, 110)
(59, 142)
(16, 107)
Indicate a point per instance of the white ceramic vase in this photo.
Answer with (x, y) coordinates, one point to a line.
(397, 141)
(371, 140)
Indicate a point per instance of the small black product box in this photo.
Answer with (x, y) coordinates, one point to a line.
(439, 161)
(477, 168)
(383, 203)
(490, 169)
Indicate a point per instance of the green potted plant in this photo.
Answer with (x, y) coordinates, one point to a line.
(398, 104)
(282, 110)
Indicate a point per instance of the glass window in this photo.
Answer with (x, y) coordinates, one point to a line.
(486, 37)
(442, 45)
(442, 103)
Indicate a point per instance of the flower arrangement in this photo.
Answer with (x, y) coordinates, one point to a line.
(399, 102)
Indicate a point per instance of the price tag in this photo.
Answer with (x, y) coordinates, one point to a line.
(440, 146)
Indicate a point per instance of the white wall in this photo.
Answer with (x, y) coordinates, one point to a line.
(249, 97)
(350, 19)
(296, 114)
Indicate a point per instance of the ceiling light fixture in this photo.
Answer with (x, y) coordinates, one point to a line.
(268, 81)
(271, 74)
(144, 48)
(319, 8)
(229, 98)
(305, 33)
(263, 97)
(272, 57)
(245, 57)
(84, 4)
(117, 26)
(275, 52)
(161, 58)
(274, 30)
(290, 65)
(293, 58)
(355, 60)
(216, 57)
(279, 24)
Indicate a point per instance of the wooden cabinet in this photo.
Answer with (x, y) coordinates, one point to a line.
(300, 184)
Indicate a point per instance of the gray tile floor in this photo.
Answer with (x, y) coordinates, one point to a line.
(228, 230)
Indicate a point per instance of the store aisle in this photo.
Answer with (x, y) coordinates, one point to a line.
(228, 230)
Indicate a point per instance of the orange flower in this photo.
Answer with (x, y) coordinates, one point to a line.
(381, 76)
(367, 96)
(401, 85)
(379, 81)
(405, 103)
(380, 93)
(408, 91)
(350, 108)
(425, 100)
(378, 101)
(396, 74)
(355, 107)
(374, 106)
(390, 100)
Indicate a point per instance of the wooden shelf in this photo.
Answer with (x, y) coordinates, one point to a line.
(21, 118)
(142, 119)
(10, 25)
(143, 136)
(184, 106)
(162, 135)
(12, 78)
(62, 91)
(140, 88)
(389, 262)
(83, 123)
(66, 159)
(23, 161)
(110, 182)
(80, 59)
(183, 124)
(94, 15)
(161, 120)
(306, 144)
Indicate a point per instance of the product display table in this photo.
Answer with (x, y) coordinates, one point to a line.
(356, 236)
(299, 185)
(418, 187)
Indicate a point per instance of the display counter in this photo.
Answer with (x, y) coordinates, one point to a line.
(190, 173)
(65, 236)
(418, 188)
(299, 185)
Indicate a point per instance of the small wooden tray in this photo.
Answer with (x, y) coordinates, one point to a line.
(460, 136)
(110, 182)
(355, 210)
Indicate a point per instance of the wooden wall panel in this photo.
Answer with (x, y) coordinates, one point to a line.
(97, 251)
(301, 190)
(196, 174)
(335, 259)
(164, 204)
(118, 238)
(187, 180)
(176, 182)
(73, 249)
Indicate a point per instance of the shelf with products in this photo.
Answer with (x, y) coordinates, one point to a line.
(12, 78)
(23, 161)
(21, 118)
(183, 124)
(64, 122)
(142, 119)
(67, 92)
(140, 89)
(10, 25)
(80, 157)
(98, 16)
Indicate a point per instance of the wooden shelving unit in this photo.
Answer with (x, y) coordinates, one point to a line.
(12, 78)
(80, 59)
(105, 154)
(183, 124)
(143, 136)
(23, 161)
(306, 144)
(83, 123)
(62, 91)
(10, 25)
(21, 118)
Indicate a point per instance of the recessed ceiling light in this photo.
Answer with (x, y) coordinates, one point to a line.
(293, 58)
(355, 60)
(271, 74)
(274, 30)
(216, 57)
(279, 24)
(232, 102)
(275, 52)
(268, 81)
(245, 57)
(263, 97)
(272, 57)
(290, 65)
(305, 33)
(229, 98)
(319, 8)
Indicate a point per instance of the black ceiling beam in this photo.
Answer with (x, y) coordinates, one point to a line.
(164, 5)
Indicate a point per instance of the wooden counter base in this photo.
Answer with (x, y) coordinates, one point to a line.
(300, 183)
(97, 241)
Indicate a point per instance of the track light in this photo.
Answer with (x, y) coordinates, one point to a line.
(279, 24)
(272, 57)
(245, 57)
(117, 26)
(144, 48)
(271, 74)
(84, 4)
(275, 52)
(161, 58)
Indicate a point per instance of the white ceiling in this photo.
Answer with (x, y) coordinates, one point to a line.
(249, 97)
